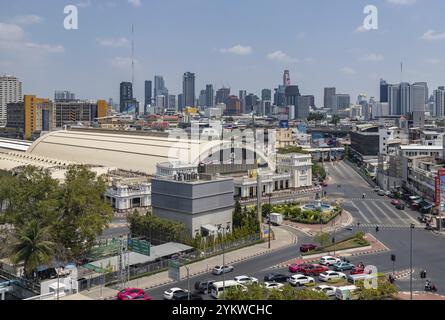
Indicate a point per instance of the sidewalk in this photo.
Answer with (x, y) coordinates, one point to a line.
(283, 239)
(344, 220)
(420, 296)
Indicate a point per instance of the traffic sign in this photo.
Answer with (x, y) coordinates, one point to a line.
(139, 246)
(174, 270)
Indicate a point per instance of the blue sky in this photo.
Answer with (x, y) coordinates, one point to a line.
(243, 44)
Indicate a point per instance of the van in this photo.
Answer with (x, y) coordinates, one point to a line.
(218, 288)
(353, 278)
(346, 293)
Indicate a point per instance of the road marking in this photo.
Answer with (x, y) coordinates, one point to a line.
(402, 211)
(382, 211)
(372, 213)
(360, 212)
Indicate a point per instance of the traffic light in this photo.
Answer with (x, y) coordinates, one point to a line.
(423, 274)
(393, 257)
(377, 229)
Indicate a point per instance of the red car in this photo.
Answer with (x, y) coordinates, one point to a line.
(395, 202)
(324, 184)
(357, 270)
(313, 270)
(296, 267)
(133, 294)
(307, 247)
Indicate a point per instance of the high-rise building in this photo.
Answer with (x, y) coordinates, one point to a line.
(302, 108)
(148, 93)
(10, 92)
(233, 106)
(222, 95)
(172, 102)
(286, 78)
(126, 95)
(291, 94)
(188, 89)
(159, 87)
(394, 99)
(64, 96)
(418, 96)
(280, 96)
(181, 104)
(328, 94)
(31, 116)
(71, 112)
(405, 98)
(252, 101)
(210, 96)
(242, 97)
(202, 99)
(383, 91)
(439, 102)
(340, 102)
(266, 95)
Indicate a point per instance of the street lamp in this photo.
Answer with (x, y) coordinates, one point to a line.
(269, 218)
(223, 247)
(411, 262)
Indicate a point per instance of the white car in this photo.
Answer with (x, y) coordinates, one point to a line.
(328, 290)
(300, 279)
(329, 260)
(222, 269)
(246, 280)
(168, 295)
(273, 285)
(331, 275)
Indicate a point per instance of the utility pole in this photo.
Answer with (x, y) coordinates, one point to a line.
(411, 263)
(270, 212)
(259, 194)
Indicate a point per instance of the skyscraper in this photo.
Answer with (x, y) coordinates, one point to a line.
(266, 95)
(439, 102)
(222, 95)
(172, 102)
(340, 102)
(303, 106)
(328, 93)
(418, 96)
(279, 97)
(188, 89)
(291, 93)
(393, 99)
(210, 96)
(405, 98)
(286, 78)
(148, 93)
(10, 92)
(383, 91)
(251, 103)
(242, 97)
(233, 106)
(160, 89)
(202, 99)
(126, 94)
(60, 95)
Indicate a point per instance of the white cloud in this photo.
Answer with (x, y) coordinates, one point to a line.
(433, 35)
(360, 29)
(83, 4)
(373, 57)
(122, 62)
(281, 57)
(115, 43)
(401, 2)
(433, 61)
(347, 71)
(45, 47)
(27, 19)
(238, 49)
(11, 32)
(135, 3)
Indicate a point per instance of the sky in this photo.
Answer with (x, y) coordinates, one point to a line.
(241, 44)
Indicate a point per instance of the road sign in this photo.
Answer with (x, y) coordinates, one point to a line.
(174, 270)
(139, 246)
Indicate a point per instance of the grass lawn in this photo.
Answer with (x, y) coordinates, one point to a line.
(348, 244)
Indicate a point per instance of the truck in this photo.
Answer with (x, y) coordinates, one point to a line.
(276, 219)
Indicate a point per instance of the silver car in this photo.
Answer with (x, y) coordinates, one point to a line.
(222, 269)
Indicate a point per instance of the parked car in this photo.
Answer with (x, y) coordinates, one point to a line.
(327, 290)
(342, 266)
(168, 294)
(185, 296)
(329, 260)
(324, 184)
(297, 267)
(246, 280)
(313, 269)
(203, 286)
(273, 285)
(300, 279)
(387, 193)
(222, 269)
(307, 247)
(381, 193)
(392, 195)
(395, 202)
(331, 275)
(276, 277)
(130, 293)
(357, 270)
(400, 206)
(376, 189)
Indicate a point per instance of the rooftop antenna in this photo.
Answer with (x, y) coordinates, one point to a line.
(132, 55)
(401, 72)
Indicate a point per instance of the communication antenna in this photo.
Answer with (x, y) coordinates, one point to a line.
(132, 55)
(401, 72)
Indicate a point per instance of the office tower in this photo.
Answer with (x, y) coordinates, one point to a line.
(393, 99)
(188, 89)
(171, 103)
(32, 116)
(71, 112)
(159, 87)
(161, 102)
(383, 91)
(222, 95)
(439, 102)
(280, 96)
(242, 97)
(126, 94)
(233, 106)
(379, 109)
(266, 95)
(148, 93)
(10, 92)
(405, 97)
(266, 107)
(202, 99)
(328, 93)
(252, 101)
(340, 102)
(64, 96)
(418, 96)
(210, 96)
(286, 78)
(291, 94)
(181, 104)
(302, 108)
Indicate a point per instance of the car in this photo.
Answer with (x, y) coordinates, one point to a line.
(246, 280)
(376, 189)
(331, 275)
(395, 202)
(392, 195)
(307, 247)
(381, 193)
(387, 193)
(276, 277)
(300, 279)
(297, 267)
(357, 270)
(329, 260)
(168, 294)
(130, 293)
(218, 270)
(400, 207)
(313, 269)
(185, 296)
(324, 184)
(203, 286)
(342, 266)
(273, 285)
(327, 290)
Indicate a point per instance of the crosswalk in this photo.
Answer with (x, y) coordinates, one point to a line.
(389, 226)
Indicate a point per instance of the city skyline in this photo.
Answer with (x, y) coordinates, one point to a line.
(244, 53)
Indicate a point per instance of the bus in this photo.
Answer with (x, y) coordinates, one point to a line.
(218, 288)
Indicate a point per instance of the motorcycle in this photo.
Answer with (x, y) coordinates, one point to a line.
(430, 287)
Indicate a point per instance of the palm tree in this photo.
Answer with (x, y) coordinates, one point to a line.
(33, 247)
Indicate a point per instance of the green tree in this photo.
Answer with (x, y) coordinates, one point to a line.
(33, 247)
(315, 116)
(384, 290)
(83, 212)
(237, 215)
(335, 119)
(308, 294)
(322, 238)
